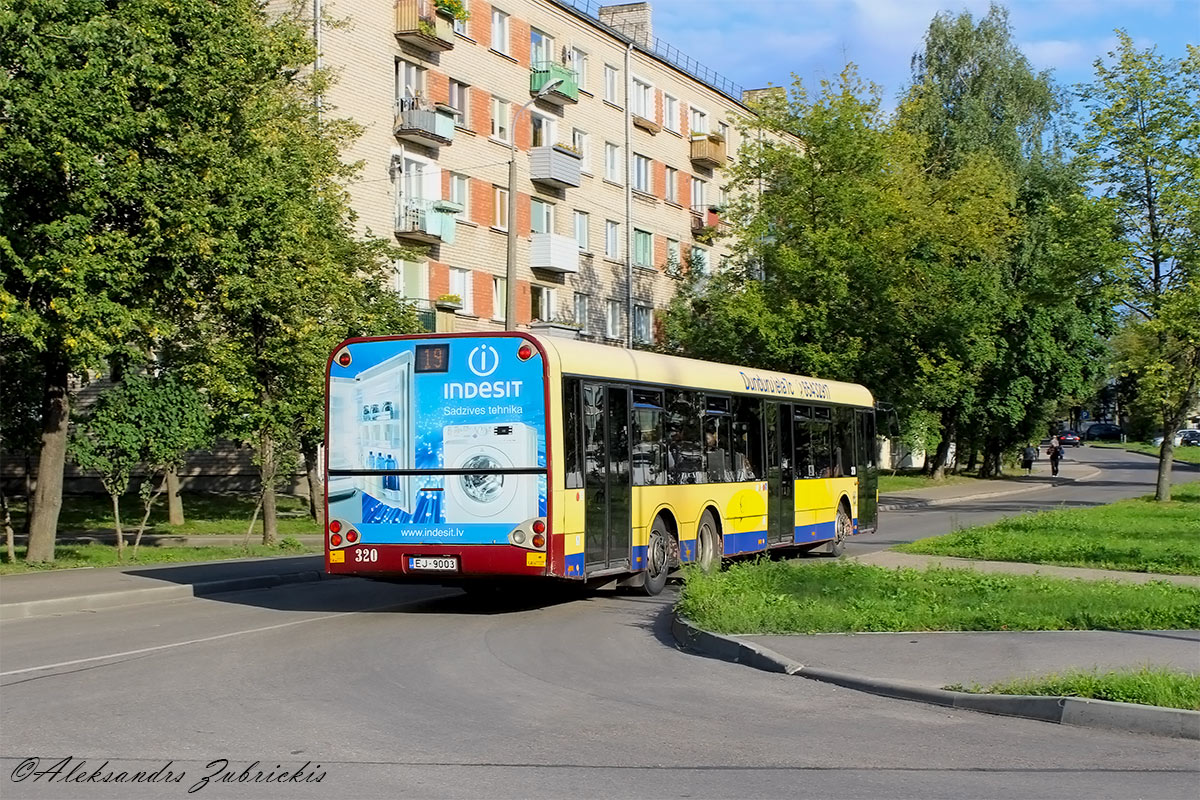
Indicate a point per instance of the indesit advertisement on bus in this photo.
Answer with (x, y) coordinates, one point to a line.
(437, 440)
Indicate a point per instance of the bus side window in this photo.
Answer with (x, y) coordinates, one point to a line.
(748, 439)
(805, 468)
(718, 450)
(822, 448)
(843, 442)
(684, 449)
(649, 448)
(572, 429)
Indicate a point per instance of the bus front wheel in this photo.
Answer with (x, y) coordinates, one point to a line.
(708, 543)
(842, 528)
(658, 558)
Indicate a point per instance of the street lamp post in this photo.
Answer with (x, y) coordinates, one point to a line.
(510, 271)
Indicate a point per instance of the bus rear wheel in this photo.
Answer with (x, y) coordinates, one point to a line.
(708, 543)
(842, 528)
(658, 559)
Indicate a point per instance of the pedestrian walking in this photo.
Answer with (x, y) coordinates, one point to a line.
(1056, 454)
(1027, 459)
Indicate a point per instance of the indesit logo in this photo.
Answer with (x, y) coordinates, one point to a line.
(483, 361)
(487, 358)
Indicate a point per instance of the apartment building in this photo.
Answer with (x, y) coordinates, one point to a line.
(621, 149)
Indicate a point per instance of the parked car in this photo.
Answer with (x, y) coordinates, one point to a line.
(1069, 438)
(1189, 438)
(1103, 432)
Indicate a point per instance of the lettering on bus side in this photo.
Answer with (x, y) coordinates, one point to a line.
(814, 390)
(469, 389)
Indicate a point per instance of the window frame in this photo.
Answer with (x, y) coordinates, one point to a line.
(581, 319)
(501, 27)
(544, 296)
(460, 275)
(640, 311)
(500, 208)
(612, 84)
(501, 120)
(546, 212)
(612, 163)
(671, 189)
(642, 174)
(671, 113)
(612, 324)
(643, 243)
(586, 241)
(612, 239)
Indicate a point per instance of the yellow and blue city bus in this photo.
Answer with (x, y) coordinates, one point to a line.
(453, 458)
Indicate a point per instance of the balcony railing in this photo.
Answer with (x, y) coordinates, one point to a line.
(423, 123)
(555, 253)
(542, 72)
(419, 24)
(556, 166)
(430, 221)
(708, 150)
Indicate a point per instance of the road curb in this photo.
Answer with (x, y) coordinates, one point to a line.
(1154, 720)
(150, 594)
(919, 502)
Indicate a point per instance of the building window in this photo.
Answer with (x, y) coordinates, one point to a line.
(500, 109)
(699, 121)
(541, 130)
(579, 140)
(410, 84)
(541, 47)
(643, 328)
(460, 186)
(409, 282)
(643, 248)
(699, 260)
(641, 174)
(500, 208)
(499, 31)
(460, 284)
(723, 129)
(698, 195)
(612, 319)
(612, 236)
(641, 101)
(579, 62)
(542, 216)
(612, 162)
(499, 298)
(581, 230)
(723, 198)
(672, 187)
(670, 113)
(460, 101)
(541, 303)
(581, 311)
(460, 25)
(612, 84)
(673, 257)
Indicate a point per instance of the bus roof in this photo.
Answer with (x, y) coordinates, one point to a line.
(615, 363)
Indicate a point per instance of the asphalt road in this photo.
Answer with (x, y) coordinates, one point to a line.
(393, 691)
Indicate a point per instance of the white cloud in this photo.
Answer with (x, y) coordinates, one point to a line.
(1057, 54)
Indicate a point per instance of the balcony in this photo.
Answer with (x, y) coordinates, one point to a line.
(557, 165)
(646, 124)
(707, 224)
(554, 253)
(543, 72)
(708, 150)
(419, 24)
(420, 122)
(429, 221)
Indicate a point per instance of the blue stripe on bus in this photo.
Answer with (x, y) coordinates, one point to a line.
(816, 532)
(639, 557)
(748, 542)
(687, 550)
(574, 564)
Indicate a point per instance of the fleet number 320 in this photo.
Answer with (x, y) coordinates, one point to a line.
(366, 554)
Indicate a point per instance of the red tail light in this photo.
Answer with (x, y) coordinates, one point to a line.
(344, 358)
(525, 352)
(336, 540)
(352, 536)
(539, 540)
(539, 526)
(335, 526)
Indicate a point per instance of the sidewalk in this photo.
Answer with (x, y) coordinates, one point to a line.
(64, 591)
(982, 489)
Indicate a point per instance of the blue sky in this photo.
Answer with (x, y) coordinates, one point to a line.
(759, 42)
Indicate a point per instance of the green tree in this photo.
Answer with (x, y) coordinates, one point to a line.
(1143, 132)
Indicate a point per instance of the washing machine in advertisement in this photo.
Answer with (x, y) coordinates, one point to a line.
(490, 496)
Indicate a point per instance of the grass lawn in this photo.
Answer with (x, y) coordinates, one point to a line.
(1189, 454)
(74, 556)
(904, 480)
(204, 513)
(1137, 535)
(1154, 686)
(781, 597)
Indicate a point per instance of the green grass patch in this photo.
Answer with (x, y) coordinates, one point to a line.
(1152, 686)
(780, 597)
(75, 556)
(1190, 455)
(1137, 535)
(204, 514)
(905, 480)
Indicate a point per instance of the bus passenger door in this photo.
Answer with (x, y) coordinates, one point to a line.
(607, 480)
(866, 454)
(781, 476)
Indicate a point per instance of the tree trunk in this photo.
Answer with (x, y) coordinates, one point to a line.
(9, 548)
(949, 427)
(267, 473)
(174, 501)
(47, 498)
(316, 492)
(29, 487)
(116, 501)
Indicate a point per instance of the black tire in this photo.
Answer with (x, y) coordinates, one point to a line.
(658, 558)
(843, 526)
(708, 543)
